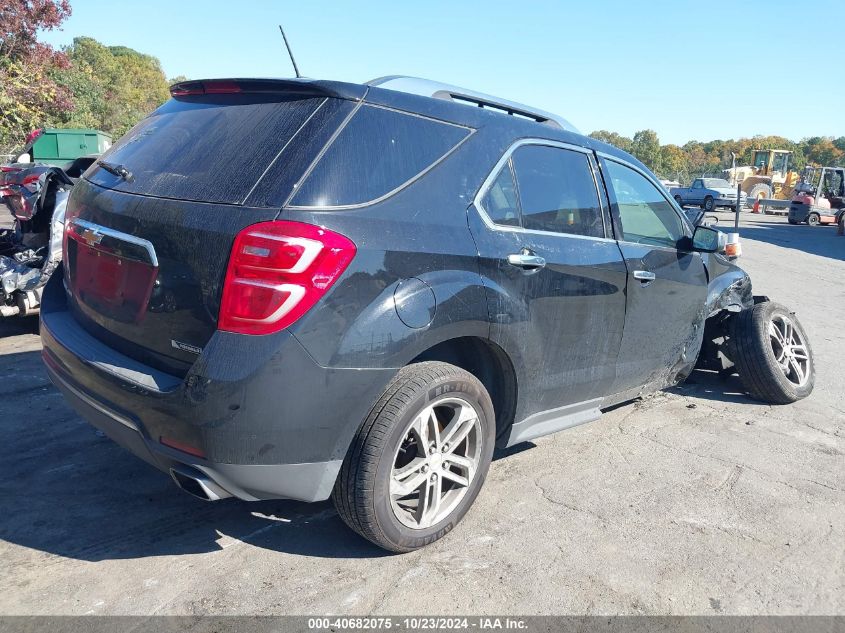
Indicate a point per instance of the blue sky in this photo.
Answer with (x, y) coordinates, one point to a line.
(688, 70)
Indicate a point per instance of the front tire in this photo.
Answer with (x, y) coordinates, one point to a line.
(420, 458)
(758, 192)
(708, 203)
(772, 354)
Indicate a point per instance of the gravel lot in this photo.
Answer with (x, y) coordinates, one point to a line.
(693, 501)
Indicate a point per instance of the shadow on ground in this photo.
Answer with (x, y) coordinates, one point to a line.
(67, 490)
(16, 326)
(712, 385)
(818, 240)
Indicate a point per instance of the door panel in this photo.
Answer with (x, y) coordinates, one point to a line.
(667, 285)
(576, 308)
(560, 321)
(562, 324)
(696, 192)
(664, 317)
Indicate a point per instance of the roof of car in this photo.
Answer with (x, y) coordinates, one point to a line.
(439, 100)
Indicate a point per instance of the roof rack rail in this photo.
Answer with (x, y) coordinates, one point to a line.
(429, 88)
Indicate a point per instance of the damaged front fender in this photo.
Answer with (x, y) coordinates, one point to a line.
(728, 288)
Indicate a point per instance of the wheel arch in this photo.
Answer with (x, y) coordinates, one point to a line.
(489, 363)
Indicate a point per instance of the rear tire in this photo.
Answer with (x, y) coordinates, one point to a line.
(772, 354)
(402, 484)
(814, 219)
(791, 221)
(680, 201)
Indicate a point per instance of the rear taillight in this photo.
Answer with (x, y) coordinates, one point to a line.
(7, 169)
(277, 272)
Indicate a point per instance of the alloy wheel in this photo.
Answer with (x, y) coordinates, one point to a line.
(790, 350)
(435, 463)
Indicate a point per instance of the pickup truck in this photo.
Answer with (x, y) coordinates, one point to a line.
(708, 193)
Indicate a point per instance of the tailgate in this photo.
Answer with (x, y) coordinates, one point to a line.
(145, 274)
(150, 227)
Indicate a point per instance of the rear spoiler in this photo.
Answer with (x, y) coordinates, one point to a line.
(298, 87)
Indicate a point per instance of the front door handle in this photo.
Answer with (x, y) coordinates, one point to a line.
(644, 276)
(526, 261)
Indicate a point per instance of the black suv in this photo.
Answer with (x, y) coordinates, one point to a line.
(303, 289)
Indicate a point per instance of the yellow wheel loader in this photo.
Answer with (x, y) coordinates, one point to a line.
(768, 176)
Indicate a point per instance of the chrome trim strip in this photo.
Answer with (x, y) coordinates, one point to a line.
(119, 235)
(491, 177)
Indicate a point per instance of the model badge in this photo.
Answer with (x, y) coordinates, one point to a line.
(193, 349)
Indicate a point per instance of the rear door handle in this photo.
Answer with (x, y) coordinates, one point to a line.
(645, 276)
(526, 261)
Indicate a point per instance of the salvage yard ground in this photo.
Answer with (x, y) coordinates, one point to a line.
(693, 501)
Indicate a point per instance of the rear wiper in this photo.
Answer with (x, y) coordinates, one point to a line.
(117, 170)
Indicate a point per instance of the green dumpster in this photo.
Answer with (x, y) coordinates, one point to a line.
(59, 145)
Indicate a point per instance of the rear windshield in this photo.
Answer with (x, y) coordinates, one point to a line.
(376, 154)
(209, 148)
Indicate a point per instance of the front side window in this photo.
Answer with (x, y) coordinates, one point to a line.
(647, 217)
(557, 192)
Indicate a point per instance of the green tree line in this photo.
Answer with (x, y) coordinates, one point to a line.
(86, 84)
(693, 159)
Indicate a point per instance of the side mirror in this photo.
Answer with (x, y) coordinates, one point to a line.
(707, 239)
(23, 158)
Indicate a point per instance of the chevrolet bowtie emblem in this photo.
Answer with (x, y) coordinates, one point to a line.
(91, 237)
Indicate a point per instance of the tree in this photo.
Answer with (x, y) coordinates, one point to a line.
(612, 138)
(821, 150)
(30, 97)
(646, 147)
(114, 86)
(674, 163)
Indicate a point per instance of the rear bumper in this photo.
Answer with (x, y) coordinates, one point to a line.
(264, 420)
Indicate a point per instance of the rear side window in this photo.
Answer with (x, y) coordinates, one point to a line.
(557, 191)
(500, 201)
(377, 153)
(211, 149)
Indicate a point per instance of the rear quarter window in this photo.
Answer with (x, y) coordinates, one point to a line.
(377, 153)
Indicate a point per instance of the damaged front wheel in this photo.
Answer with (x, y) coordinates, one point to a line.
(772, 354)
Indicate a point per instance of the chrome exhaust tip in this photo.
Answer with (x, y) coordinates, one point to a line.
(197, 484)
